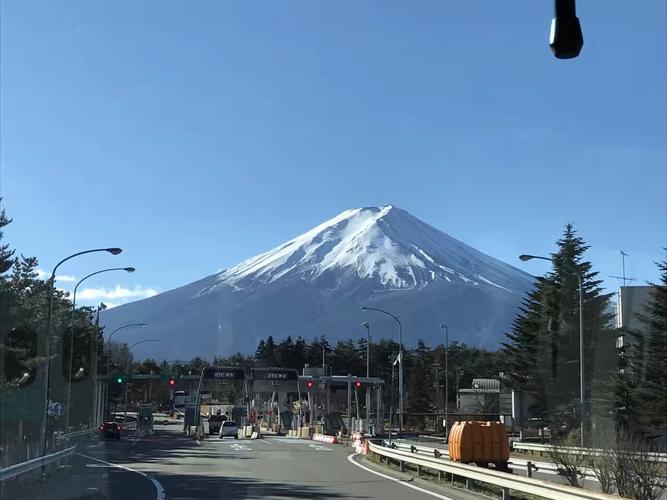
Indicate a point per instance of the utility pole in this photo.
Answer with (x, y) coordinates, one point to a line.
(368, 370)
(446, 328)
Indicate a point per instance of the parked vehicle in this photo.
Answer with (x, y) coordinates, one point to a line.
(229, 428)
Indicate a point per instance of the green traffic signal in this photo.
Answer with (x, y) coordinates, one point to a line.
(119, 379)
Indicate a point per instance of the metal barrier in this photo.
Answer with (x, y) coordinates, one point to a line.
(503, 480)
(590, 452)
(64, 437)
(514, 463)
(35, 463)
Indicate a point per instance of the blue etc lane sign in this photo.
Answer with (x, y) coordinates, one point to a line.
(224, 373)
(277, 375)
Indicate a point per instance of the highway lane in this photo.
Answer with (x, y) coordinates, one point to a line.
(168, 465)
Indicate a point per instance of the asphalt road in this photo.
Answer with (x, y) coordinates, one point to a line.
(169, 466)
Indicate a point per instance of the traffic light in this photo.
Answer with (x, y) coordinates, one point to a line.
(120, 379)
(172, 381)
(357, 384)
(309, 384)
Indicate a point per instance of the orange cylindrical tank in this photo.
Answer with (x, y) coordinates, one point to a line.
(478, 442)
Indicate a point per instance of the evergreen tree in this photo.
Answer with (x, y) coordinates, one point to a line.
(346, 359)
(542, 355)
(313, 352)
(285, 353)
(260, 352)
(265, 356)
(420, 385)
(6, 254)
(648, 363)
(520, 352)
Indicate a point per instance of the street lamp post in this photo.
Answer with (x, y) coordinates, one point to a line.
(47, 366)
(127, 369)
(582, 400)
(71, 337)
(368, 369)
(400, 360)
(142, 325)
(446, 328)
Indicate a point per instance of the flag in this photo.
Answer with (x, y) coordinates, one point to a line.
(398, 358)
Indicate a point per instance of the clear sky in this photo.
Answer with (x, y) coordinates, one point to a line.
(196, 134)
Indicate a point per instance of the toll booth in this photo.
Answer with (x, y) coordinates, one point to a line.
(276, 402)
(345, 403)
(144, 419)
(224, 387)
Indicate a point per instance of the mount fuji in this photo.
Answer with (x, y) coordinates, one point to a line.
(315, 284)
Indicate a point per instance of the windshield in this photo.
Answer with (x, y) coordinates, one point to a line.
(365, 249)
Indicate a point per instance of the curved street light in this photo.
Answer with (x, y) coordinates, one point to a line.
(71, 337)
(47, 367)
(108, 342)
(128, 368)
(582, 401)
(400, 360)
(142, 325)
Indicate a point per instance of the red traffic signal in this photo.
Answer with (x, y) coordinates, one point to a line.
(309, 384)
(172, 381)
(357, 384)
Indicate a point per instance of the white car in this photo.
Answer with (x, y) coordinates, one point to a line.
(229, 428)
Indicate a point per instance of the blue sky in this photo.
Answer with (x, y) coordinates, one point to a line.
(194, 135)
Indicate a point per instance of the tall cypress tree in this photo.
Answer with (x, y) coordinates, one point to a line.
(542, 354)
(648, 359)
(520, 363)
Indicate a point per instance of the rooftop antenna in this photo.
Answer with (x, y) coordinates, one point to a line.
(623, 256)
(625, 279)
(622, 278)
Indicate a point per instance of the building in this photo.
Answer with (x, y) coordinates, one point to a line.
(630, 302)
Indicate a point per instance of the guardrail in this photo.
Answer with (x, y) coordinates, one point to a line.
(507, 482)
(513, 463)
(63, 437)
(35, 463)
(547, 448)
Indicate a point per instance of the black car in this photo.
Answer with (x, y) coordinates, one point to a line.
(110, 430)
(215, 422)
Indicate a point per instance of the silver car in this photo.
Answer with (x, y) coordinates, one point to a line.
(229, 428)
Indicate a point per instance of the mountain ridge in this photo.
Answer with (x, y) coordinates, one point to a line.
(317, 281)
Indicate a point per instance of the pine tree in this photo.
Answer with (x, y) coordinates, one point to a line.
(542, 355)
(649, 358)
(265, 355)
(6, 255)
(599, 337)
(520, 365)
(313, 354)
(346, 358)
(420, 385)
(260, 352)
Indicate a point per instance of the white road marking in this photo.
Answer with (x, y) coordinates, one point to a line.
(351, 459)
(240, 447)
(267, 442)
(319, 447)
(158, 487)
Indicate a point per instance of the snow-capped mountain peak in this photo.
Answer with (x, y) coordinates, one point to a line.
(385, 243)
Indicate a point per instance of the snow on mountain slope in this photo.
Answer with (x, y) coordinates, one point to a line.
(385, 243)
(315, 283)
